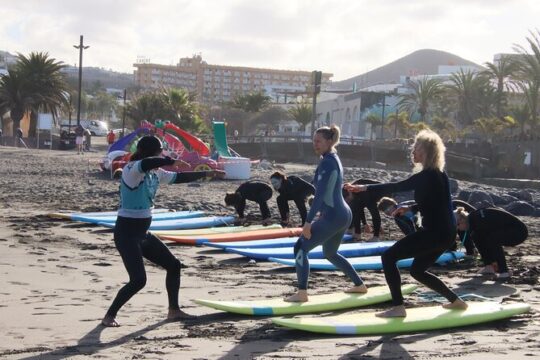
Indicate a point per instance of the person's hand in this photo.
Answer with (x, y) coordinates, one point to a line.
(306, 231)
(180, 163)
(355, 188)
(216, 174)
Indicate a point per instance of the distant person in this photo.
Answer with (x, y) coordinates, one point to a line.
(140, 180)
(18, 137)
(291, 188)
(334, 217)
(87, 139)
(490, 229)
(235, 134)
(431, 188)
(406, 220)
(1, 137)
(256, 191)
(79, 139)
(111, 137)
(358, 202)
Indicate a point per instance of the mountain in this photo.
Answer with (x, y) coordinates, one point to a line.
(420, 62)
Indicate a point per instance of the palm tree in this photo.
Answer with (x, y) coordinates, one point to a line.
(399, 122)
(501, 72)
(472, 93)
(254, 103)
(445, 127)
(302, 113)
(422, 94)
(185, 111)
(14, 97)
(44, 83)
(528, 73)
(521, 115)
(375, 120)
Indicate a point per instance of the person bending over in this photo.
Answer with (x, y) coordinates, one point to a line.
(405, 219)
(291, 188)
(140, 180)
(256, 191)
(358, 202)
(432, 195)
(490, 229)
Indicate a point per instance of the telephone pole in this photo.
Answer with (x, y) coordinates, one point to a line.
(81, 47)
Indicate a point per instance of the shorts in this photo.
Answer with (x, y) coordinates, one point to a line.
(79, 140)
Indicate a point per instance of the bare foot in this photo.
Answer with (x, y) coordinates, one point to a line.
(300, 296)
(360, 289)
(109, 321)
(177, 314)
(396, 311)
(457, 304)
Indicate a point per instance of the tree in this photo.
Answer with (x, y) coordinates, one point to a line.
(44, 84)
(528, 73)
(270, 117)
(521, 115)
(14, 97)
(501, 72)
(399, 123)
(375, 120)
(473, 95)
(422, 95)
(445, 128)
(302, 113)
(253, 103)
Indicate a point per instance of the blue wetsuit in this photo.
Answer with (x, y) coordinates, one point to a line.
(140, 180)
(335, 218)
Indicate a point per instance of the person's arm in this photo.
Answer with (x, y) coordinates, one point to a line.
(189, 176)
(411, 183)
(151, 163)
(327, 177)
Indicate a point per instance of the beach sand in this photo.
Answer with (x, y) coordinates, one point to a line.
(57, 279)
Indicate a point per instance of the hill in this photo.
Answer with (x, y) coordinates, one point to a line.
(420, 62)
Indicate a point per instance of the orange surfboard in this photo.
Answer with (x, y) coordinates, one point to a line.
(243, 236)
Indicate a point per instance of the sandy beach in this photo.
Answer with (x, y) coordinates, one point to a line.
(57, 279)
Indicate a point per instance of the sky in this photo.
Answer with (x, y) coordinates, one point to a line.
(343, 37)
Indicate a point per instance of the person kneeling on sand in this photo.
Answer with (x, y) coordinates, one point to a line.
(140, 180)
(490, 229)
(432, 195)
(256, 191)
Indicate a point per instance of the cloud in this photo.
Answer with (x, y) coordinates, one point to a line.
(344, 37)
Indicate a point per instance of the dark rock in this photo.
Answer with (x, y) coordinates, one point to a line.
(454, 186)
(520, 208)
(464, 195)
(480, 199)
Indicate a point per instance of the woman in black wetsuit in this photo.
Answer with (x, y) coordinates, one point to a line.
(256, 191)
(490, 229)
(438, 231)
(358, 202)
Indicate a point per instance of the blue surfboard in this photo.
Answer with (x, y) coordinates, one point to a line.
(369, 262)
(194, 223)
(257, 244)
(158, 216)
(347, 250)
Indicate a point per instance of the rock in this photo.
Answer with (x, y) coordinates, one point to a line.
(520, 208)
(454, 186)
(480, 199)
(524, 195)
(503, 199)
(266, 165)
(464, 195)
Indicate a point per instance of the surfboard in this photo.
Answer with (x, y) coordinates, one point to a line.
(194, 223)
(67, 214)
(217, 230)
(158, 216)
(316, 303)
(242, 236)
(257, 244)
(418, 319)
(368, 262)
(347, 250)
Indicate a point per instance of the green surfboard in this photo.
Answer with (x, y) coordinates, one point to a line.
(316, 303)
(418, 319)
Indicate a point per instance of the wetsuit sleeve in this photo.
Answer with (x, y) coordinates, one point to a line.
(150, 163)
(185, 177)
(412, 183)
(326, 181)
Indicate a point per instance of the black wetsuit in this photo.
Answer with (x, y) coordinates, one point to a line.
(257, 191)
(493, 228)
(464, 235)
(297, 190)
(363, 200)
(438, 231)
(131, 236)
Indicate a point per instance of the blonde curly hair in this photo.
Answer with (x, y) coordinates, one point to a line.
(434, 150)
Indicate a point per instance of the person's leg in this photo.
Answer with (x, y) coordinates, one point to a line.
(301, 205)
(375, 218)
(158, 253)
(405, 225)
(330, 251)
(283, 206)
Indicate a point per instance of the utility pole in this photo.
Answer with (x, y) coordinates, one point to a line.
(382, 117)
(81, 47)
(316, 78)
(124, 113)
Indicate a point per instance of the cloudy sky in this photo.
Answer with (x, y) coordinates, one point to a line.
(344, 37)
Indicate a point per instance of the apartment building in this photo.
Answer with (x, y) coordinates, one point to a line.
(218, 83)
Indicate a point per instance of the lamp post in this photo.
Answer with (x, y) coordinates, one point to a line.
(382, 116)
(81, 47)
(124, 113)
(316, 79)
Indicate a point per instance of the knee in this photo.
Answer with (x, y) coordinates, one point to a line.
(138, 282)
(417, 273)
(388, 258)
(175, 266)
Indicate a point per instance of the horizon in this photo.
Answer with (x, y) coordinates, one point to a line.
(275, 35)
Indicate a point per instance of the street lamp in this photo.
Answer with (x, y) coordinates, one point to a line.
(81, 47)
